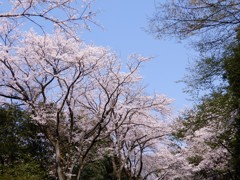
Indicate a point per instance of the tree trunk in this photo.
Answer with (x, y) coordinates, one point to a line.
(80, 171)
(58, 162)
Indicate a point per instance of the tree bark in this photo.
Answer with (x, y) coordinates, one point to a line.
(58, 162)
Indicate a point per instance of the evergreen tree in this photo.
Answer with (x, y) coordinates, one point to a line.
(232, 74)
(24, 152)
(219, 79)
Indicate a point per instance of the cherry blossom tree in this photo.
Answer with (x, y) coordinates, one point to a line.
(138, 131)
(69, 15)
(79, 96)
(208, 133)
(43, 74)
(129, 118)
(135, 121)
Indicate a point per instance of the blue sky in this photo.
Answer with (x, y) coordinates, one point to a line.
(124, 22)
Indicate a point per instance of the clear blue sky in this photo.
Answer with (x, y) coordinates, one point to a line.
(123, 23)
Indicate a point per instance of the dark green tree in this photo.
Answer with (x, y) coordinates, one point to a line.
(232, 74)
(214, 114)
(24, 151)
(219, 79)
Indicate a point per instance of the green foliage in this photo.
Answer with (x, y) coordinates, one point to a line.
(205, 77)
(220, 78)
(23, 171)
(232, 68)
(24, 154)
(195, 160)
(216, 107)
(98, 170)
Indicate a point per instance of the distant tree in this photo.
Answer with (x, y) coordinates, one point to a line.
(213, 23)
